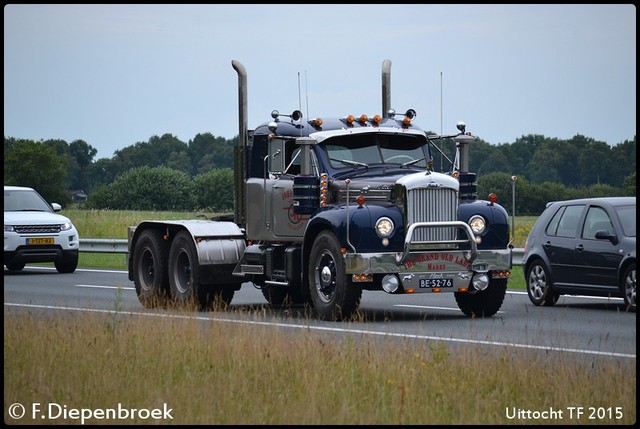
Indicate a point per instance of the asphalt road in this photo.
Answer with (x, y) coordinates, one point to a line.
(576, 325)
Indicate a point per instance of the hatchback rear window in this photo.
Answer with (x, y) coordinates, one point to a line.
(565, 222)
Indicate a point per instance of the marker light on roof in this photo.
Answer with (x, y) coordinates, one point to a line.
(408, 116)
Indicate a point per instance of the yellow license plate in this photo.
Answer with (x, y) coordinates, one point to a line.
(40, 240)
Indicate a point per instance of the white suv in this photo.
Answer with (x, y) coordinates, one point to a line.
(33, 232)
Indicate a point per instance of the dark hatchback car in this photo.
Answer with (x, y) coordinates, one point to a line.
(583, 247)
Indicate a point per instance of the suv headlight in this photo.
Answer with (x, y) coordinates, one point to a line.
(384, 227)
(8, 228)
(477, 224)
(66, 226)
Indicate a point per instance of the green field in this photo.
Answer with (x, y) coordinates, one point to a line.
(114, 223)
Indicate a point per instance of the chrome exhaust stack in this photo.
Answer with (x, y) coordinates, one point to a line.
(386, 88)
(240, 151)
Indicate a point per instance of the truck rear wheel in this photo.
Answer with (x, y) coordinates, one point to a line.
(150, 269)
(186, 288)
(483, 303)
(333, 296)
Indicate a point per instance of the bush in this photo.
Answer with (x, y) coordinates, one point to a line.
(214, 190)
(145, 188)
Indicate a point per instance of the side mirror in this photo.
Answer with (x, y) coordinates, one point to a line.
(276, 156)
(606, 235)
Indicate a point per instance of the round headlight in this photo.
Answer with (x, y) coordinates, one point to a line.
(477, 224)
(384, 227)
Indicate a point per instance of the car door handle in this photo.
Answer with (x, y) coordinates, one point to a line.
(579, 247)
(547, 245)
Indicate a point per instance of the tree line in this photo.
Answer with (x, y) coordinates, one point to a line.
(165, 173)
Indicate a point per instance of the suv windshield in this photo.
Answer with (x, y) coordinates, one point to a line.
(24, 200)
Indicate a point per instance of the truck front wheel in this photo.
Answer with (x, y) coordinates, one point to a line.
(150, 269)
(184, 282)
(483, 303)
(333, 296)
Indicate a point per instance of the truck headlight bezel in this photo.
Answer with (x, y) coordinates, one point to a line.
(478, 224)
(384, 227)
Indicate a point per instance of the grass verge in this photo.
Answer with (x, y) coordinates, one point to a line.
(212, 372)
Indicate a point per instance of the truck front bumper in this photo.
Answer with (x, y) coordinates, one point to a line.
(425, 271)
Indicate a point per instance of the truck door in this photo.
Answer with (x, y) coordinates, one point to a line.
(286, 223)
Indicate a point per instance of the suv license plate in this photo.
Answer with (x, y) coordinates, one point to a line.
(432, 283)
(39, 240)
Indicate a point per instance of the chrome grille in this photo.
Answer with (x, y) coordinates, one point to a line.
(37, 229)
(432, 205)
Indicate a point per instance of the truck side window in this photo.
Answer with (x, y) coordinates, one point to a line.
(293, 161)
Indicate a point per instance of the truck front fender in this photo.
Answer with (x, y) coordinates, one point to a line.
(360, 233)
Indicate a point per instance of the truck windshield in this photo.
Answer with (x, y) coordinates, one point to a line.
(376, 149)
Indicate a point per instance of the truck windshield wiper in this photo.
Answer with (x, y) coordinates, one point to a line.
(349, 162)
(408, 163)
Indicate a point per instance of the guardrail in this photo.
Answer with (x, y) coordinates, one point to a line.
(120, 245)
(104, 245)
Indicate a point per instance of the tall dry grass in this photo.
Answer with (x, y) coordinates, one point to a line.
(210, 372)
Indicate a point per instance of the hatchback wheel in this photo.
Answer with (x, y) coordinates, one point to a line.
(539, 286)
(629, 287)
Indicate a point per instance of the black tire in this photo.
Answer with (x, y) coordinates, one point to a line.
(539, 285)
(282, 296)
(332, 294)
(483, 303)
(68, 264)
(184, 282)
(150, 259)
(628, 287)
(14, 266)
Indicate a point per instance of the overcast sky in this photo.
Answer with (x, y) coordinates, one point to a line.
(115, 75)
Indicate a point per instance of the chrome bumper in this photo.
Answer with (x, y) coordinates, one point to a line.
(414, 267)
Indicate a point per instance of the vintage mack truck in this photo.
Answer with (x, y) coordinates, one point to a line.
(328, 207)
